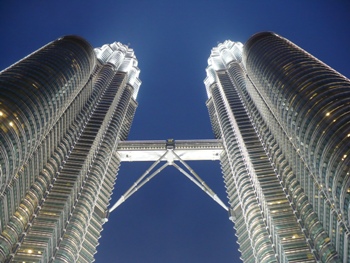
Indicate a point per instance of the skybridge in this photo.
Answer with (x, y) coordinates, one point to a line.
(169, 152)
(186, 150)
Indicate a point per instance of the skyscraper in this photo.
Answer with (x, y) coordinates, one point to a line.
(281, 114)
(284, 117)
(63, 110)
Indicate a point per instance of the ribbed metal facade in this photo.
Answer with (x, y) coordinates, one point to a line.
(63, 110)
(284, 119)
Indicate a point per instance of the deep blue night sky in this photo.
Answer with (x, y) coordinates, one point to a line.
(170, 219)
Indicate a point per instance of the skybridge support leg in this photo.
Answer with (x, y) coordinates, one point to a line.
(140, 182)
(198, 181)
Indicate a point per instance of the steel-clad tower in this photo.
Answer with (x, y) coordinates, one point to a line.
(280, 116)
(63, 110)
(284, 118)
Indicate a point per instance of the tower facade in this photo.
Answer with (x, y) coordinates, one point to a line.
(63, 110)
(284, 117)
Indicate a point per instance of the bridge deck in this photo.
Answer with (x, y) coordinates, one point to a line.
(187, 150)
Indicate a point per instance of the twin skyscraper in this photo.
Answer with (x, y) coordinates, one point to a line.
(280, 116)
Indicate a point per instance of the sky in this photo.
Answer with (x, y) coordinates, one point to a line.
(170, 219)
